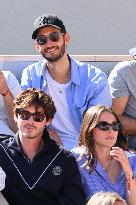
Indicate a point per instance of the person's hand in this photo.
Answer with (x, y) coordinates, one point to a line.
(53, 135)
(119, 154)
(3, 84)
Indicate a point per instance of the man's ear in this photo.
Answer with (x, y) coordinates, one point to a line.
(48, 122)
(67, 38)
(37, 47)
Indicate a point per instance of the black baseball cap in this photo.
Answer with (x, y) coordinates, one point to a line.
(47, 20)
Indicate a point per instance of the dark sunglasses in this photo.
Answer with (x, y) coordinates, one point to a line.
(25, 115)
(105, 126)
(54, 37)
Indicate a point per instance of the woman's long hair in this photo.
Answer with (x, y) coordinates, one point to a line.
(90, 120)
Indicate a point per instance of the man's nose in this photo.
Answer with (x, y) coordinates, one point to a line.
(31, 118)
(110, 129)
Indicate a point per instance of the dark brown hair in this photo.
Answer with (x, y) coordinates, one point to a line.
(90, 120)
(38, 98)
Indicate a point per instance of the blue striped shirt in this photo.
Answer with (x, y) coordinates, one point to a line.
(99, 181)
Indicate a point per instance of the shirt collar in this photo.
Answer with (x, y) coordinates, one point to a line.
(75, 75)
(43, 67)
(16, 145)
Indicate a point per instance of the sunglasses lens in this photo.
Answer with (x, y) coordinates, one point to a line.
(116, 126)
(39, 117)
(54, 36)
(24, 114)
(106, 126)
(103, 126)
(41, 40)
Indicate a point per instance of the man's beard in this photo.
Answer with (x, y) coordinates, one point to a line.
(56, 57)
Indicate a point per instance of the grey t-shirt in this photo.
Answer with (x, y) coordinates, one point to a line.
(122, 82)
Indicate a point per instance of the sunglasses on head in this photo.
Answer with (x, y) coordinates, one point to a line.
(54, 37)
(105, 126)
(37, 116)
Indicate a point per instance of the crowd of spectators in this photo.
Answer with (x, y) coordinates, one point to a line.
(67, 133)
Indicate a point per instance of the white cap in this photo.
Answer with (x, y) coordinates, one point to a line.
(132, 51)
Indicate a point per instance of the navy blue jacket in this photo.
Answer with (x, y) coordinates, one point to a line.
(52, 178)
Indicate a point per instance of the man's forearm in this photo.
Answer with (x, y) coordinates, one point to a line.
(129, 124)
(8, 102)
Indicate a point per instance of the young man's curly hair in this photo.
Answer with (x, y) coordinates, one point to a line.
(36, 97)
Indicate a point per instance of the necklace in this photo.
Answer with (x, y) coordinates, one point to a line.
(63, 77)
(62, 88)
(60, 91)
(106, 168)
(55, 86)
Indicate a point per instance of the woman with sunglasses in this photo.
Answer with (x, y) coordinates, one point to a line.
(103, 162)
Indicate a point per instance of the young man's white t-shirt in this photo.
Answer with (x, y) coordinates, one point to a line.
(62, 122)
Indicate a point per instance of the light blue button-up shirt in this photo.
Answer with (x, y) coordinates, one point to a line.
(99, 181)
(88, 87)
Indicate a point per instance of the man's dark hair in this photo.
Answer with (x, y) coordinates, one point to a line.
(36, 97)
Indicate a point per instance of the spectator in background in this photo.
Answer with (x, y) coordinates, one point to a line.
(38, 170)
(122, 82)
(74, 86)
(2, 186)
(104, 165)
(9, 88)
(3, 200)
(106, 198)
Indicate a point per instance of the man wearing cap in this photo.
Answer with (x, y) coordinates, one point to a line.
(122, 82)
(74, 86)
